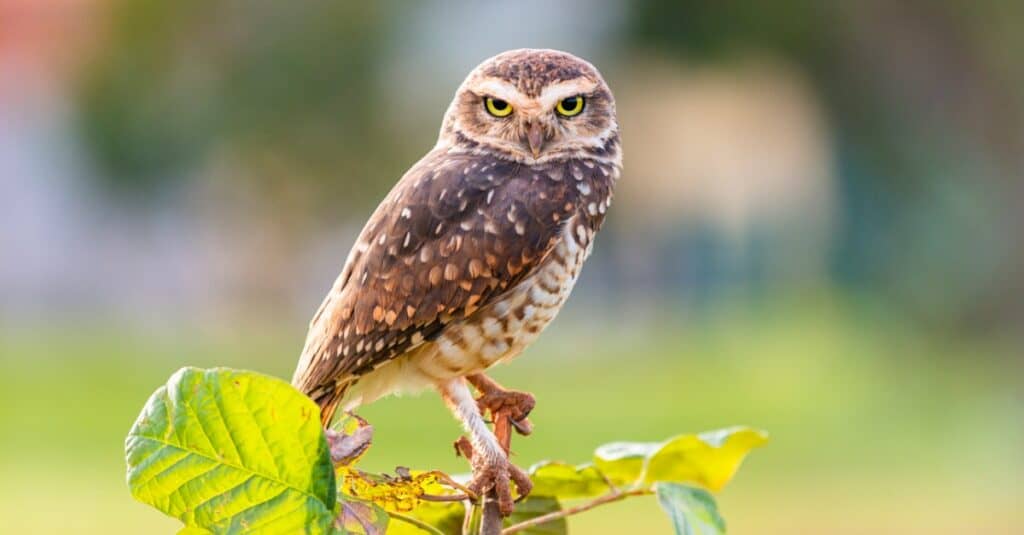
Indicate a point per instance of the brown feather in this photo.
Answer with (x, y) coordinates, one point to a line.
(449, 238)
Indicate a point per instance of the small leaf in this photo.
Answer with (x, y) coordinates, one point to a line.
(708, 459)
(692, 511)
(623, 462)
(232, 451)
(566, 482)
(399, 493)
(533, 507)
(360, 518)
(446, 517)
(349, 438)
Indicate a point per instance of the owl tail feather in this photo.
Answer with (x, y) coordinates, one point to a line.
(328, 399)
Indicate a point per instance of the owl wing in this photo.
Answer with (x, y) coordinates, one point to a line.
(453, 234)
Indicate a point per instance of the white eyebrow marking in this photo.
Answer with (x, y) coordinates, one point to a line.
(500, 89)
(551, 94)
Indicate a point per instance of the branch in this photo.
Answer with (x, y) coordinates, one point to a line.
(607, 498)
(491, 522)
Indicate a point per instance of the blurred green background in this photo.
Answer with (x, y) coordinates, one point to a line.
(817, 233)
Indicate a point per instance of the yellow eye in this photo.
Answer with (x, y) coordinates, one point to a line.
(570, 106)
(497, 107)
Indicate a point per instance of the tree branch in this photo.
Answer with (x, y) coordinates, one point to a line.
(614, 496)
(491, 522)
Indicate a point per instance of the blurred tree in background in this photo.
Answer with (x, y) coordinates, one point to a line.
(929, 106)
(925, 102)
(287, 91)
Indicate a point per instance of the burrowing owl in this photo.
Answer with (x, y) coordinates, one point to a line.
(474, 251)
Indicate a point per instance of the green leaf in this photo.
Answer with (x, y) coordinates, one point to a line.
(446, 517)
(623, 462)
(709, 459)
(193, 530)
(566, 482)
(232, 451)
(692, 511)
(533, 507)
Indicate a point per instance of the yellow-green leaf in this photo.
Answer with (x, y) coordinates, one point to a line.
(623, 462)
(709, 459)
(566, 482)
(230, 452)
(400, 493)
(445, 517)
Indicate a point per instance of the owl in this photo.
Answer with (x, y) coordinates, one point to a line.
(473, 252)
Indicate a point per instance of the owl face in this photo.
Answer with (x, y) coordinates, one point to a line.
(532, 106)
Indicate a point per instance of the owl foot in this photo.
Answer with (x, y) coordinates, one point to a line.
(497, 473)
(517, 405)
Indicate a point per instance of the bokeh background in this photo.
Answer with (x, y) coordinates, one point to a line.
(818, 232)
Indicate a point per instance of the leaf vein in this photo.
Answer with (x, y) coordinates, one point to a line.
(232, 465)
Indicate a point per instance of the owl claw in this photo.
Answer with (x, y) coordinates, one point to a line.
(498, 474)
(517, 405)
(494, 474)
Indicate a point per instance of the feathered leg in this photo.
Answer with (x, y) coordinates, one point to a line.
(491, 467)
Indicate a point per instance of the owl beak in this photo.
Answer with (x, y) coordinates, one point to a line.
(535, 138)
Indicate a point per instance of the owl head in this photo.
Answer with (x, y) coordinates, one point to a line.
(533, 106)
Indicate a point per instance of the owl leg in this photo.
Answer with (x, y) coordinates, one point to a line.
(491, 468)
(495, 398)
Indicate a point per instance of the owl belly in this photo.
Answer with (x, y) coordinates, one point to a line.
(503, 329)
(496, 333)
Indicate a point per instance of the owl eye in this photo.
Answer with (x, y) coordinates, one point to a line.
(571, 106)
(497, 107)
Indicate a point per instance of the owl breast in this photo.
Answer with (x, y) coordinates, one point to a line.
(496, 333)
(503, 329)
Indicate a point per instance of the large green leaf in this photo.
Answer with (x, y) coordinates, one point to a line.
(692, 511)
(232, 451)
(709, 459)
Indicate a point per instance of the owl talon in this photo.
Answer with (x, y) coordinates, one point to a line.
(517, 405)
(523, 427)
(463, 448)
(498, 474)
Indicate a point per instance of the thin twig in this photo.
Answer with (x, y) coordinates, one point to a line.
(467, 520)
(448, 480)
(444, 497)
(416, 522)
(555, 515)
